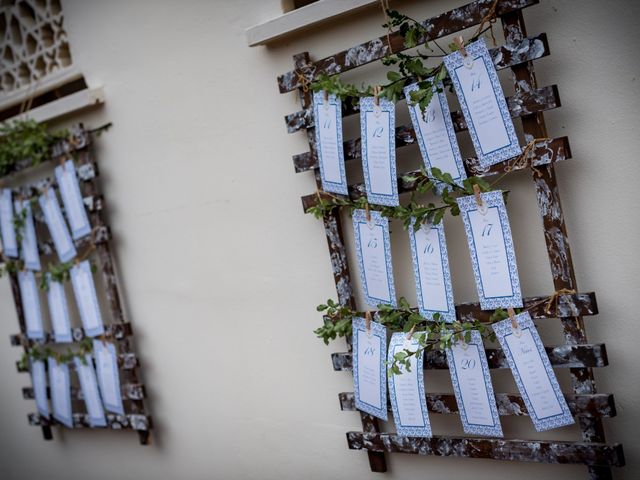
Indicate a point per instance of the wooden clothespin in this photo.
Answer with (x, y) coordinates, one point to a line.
(367, 212)
(459, 41)
(410, 333)
(512, 317)
(367, 321)
(476, 192)
(326, 96)
(376, 95)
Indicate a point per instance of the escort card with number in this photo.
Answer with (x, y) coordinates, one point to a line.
(30, 297)
(90, 393)
(436, 136)
(378, 130)
(483, 104)
(328, 120)
(84, 291)
(57, 226)
(369, 372)
(29, 242)
(431, 271)
(72, 200)
(9, 240)
(60, 387)
(492, 254)
(406, 390)
(532, 372)
(58, 311)
(39, 380)
(472, 386)
(108, 376)
(373, 249)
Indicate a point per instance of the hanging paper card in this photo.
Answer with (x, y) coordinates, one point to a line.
(108, 377)
(85, 292)
(406, 390)
(9, 241)
(483, 104)
(57, 226)
(492, 254)
(39, 380)
(431, 271)
(435, 134)
(532, 372)
(373, 249)
(472, 386)
(90, 393)
(58, 311)
(29, 243)
(72, 200)
(328, 120)
(60, 386)
(369, 372)
(31, 304)
(377, 126)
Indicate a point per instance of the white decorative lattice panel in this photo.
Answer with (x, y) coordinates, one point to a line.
(33, 42)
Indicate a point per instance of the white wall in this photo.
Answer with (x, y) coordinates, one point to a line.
(221, 270)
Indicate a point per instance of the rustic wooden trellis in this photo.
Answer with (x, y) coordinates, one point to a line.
(117, 329)
(580, 357)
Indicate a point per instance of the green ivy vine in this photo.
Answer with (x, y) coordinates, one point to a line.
(41, 353)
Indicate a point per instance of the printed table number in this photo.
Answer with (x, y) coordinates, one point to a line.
(328, 120)
(369, 372)
(483, 104)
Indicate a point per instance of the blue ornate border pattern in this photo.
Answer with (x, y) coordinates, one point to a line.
(492, 200)
(9, 240)
(64, 416)
(113, 360)
(414, 111)
(329, 186)
(504, 329)
(478, 50)
(475, 429)
(380, 332)
(33, 312)
(360, 218)
(75, 196)
(84, 303)
(398, 340)
(56, 288)
(39, 381)
(367, 105)
(450, 314)
(50, 196)
(29, 242)
(90, 389)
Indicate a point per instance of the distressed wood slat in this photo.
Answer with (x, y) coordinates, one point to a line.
(130, 421)
(596, 405)
(492, 448)
(115, 331)
(543, 99)
(544, 152)
(442, 25)
(129, 392)
(126, 361)
(562, 356)
(503, 57)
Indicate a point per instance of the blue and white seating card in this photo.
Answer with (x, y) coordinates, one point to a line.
(532, 372)
(108, 376)
(373, 249)
(58, 311)
(492, 254)
(29, 242)
(369, 372)
(378, 138)
(57, 226)
(72, 200)
(30, 298)
(60, 386)
(86, 298)
(90, 393)
(483, 104)
(406, 390)
(39, 380)
(9, 241)
(328, 120)
(431, 271)
(436, 136)
(473, 388)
